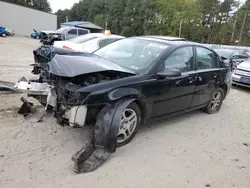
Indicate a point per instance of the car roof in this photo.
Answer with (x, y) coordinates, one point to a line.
(110, 36)
(225, 50)
(167, 38)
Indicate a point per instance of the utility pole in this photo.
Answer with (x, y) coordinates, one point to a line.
(243, 25)
(180, 28)
(106, 24)
(235, 21)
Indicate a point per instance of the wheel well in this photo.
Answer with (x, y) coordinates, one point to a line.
(224, 87)
(143, 109)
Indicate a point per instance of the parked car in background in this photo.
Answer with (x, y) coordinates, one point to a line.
(232, 56)
(241, 75)
(64, 33)
(35, 35)
(88, 43)
(3, 31)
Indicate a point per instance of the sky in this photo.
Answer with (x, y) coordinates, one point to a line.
(61, 4)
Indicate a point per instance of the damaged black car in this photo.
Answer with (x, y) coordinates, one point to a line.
(127, 83)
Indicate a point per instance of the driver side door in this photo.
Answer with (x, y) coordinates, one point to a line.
(176, 93)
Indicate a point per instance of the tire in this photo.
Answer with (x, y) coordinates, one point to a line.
(3, 35)
(131, 107)
(210, 108)
(37, 37)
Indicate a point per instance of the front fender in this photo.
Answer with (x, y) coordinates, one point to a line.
(109, 97)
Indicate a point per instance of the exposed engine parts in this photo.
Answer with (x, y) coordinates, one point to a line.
(68, 90)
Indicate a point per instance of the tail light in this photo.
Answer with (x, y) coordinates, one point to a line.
(66, 47)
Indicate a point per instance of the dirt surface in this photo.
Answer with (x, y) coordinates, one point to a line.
(194, 150)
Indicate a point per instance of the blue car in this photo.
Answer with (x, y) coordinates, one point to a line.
(3, 31)
(35, 35)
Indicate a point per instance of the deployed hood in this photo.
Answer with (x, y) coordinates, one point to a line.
(244, 66)
(72, 66)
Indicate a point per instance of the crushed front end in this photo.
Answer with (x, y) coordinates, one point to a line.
(66, 84)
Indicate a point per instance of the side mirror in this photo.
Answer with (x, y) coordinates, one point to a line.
(169, 73)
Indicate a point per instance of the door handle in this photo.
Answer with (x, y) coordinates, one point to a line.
(191, 80)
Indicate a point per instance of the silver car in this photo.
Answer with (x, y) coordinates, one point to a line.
(241, 75)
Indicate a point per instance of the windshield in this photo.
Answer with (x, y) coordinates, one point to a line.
(61, 30)
(224, 53)
(83, 38)
(135, 54)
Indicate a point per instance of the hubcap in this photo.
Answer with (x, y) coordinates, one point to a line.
(127, 125)
(216, 100)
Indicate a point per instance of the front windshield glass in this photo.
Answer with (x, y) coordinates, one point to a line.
(83, 38)
(135, 54)
(61, 30)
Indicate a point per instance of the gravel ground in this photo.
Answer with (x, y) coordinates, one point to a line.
(192, 150)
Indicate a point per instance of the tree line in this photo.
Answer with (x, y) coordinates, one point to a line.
(42, 5)
(207, 21)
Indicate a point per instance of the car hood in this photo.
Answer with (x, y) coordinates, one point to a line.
(72, 66)
(50, 32)
(244, 66)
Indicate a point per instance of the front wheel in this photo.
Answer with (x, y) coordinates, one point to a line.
(3, 35)
(215, 102)
(129, 124)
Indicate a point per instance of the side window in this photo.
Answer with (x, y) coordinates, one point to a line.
(82, 32)
(103, 43)
(205, 58)
(109, 41)
(72, 32)
(181, 59)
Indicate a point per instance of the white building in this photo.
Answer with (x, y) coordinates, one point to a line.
(23, 20)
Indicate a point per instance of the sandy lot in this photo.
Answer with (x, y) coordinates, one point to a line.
(190, 151)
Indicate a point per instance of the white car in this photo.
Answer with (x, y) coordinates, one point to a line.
(88, 43)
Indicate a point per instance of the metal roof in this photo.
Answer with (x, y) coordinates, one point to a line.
(84, 24)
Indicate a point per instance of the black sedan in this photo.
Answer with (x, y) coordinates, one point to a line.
(123, 85)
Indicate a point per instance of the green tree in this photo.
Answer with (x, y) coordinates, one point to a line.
(42, 5)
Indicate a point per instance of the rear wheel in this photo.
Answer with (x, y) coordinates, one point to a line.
(129, 124)
(3, 35)
(215, 102)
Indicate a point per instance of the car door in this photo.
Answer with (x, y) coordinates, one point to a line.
(208, 75)
(71, 34)
(175, 94)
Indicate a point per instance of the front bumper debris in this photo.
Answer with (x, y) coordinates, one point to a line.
(104, 139)
(33, 88)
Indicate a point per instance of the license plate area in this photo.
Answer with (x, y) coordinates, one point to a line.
(245, 80)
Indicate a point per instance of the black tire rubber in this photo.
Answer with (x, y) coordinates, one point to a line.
(137, 110)
(208, 109)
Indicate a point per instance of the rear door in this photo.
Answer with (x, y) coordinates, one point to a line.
(208, 78)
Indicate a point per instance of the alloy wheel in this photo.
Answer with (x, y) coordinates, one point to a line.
(127, 125)
(216, 101)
